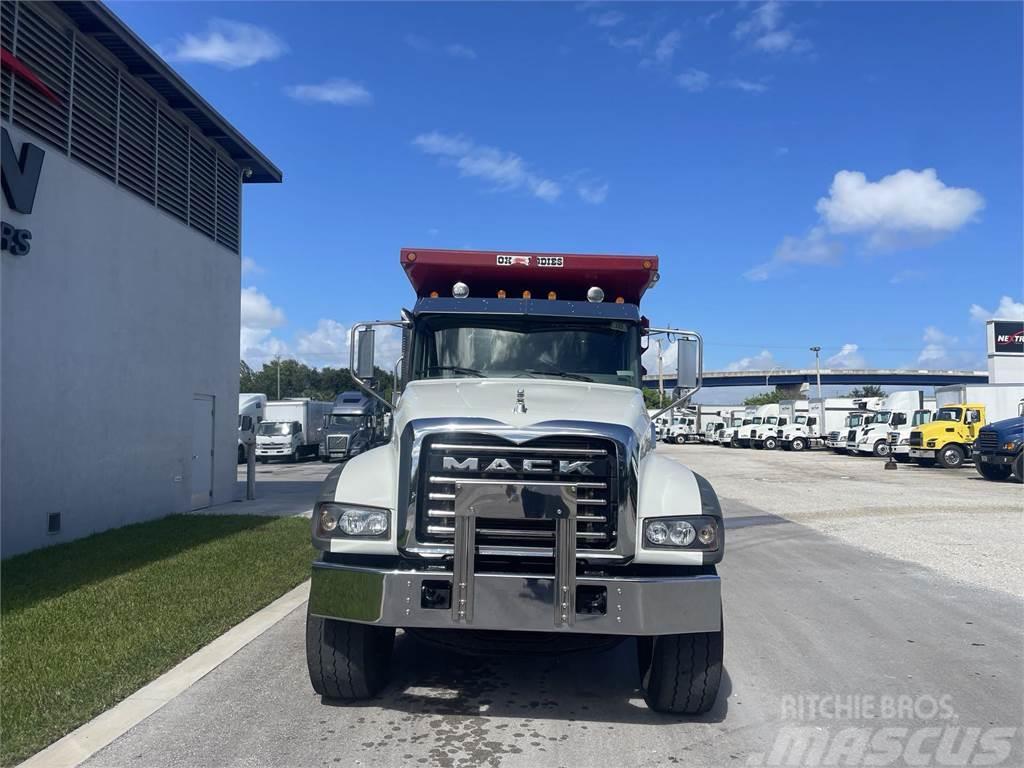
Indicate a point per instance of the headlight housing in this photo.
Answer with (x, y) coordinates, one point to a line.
(335, 520)
(1013, 445)
(700, 533)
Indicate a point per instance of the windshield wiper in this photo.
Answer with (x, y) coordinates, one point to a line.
(457, 369)
(560, 374)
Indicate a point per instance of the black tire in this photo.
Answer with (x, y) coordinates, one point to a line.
(994, 472)
(325, 459)
(734, 442)
(241, 454)
(1018, 469)
(680, 439)
(770, 443)
(681, 674)
(798, 444)
(263, 460)
(346, 660)
(880, 448)
(293, 457)
(951, 457)
(901, 458)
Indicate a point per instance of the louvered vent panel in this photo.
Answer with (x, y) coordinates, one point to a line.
(46, 50)
(172, 168)
(7, 41)
(202, 201)
(228, 202)
(94, 113)
(136, 146)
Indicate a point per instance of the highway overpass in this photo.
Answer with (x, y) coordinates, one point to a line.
(779, 377)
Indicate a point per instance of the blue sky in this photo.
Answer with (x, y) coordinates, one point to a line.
(841, 174)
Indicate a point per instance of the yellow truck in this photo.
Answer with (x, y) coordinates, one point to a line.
(962, 411)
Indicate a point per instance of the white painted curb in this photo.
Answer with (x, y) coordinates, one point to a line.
(88, 739)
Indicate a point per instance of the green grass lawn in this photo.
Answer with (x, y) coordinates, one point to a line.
(85, 624)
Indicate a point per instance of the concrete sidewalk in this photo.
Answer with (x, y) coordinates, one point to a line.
(282, 490)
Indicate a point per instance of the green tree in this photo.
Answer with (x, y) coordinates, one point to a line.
(300, 380)
(765, 398)
(868, 390)
(653, 399)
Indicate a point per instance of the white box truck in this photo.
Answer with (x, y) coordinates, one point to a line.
(825, 415)
(765, 415)
(291, 429)
(770, 432)
(896, 410)
(251, 406)
(730, 436)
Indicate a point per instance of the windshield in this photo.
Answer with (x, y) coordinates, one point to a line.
(772, 420)
(921, 417)
(855, 421)
(586, 350)
(274, 428)
(882, 417)
(756, 420)
(948, 414)
(738, 422)
(346, 422)
(801, 419)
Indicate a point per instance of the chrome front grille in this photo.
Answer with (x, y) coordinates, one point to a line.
(337, 442)
(596, 492)
(851, 436)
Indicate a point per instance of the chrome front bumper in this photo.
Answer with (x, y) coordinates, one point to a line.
(516, 602)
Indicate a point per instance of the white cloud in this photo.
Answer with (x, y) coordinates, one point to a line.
(506, 170)
(907, 276)
(666, 47)
(1008, 309)
(250, 267)
(708, 19)
(847, 357)
(749, 86)
(338, 91)
(812, 248)
(764, 29)
(694, 80)
(593, 192)
(259, 318)
(914, 203)
(936, 353)
(668, 357)
(762, 361)
(460, 51)
(229, 45)
(607, 19)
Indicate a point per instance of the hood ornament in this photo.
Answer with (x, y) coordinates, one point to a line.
(520, 402)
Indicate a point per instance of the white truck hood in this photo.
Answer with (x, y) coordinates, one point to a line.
(545, 400)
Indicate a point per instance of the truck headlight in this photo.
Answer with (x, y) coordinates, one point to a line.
(1013, 445)
(931, 443)
(905, 441)
(681, 533)
(344, 520)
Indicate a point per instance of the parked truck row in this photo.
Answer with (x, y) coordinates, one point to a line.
(965, 422)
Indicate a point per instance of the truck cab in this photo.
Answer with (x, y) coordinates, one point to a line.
(896, 410)
(899, 439)
(764, 423)
(800, 433)
(520, 495)
(948, 439)
(250, 413)
(999, 450)
(354, 425)
(837, 439)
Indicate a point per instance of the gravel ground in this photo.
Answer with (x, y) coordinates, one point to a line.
(952, 521)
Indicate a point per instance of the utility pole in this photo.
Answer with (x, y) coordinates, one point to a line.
(278, 359)
(817, 366)
(661, 378)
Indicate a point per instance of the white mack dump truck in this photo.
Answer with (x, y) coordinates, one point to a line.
(520, 500)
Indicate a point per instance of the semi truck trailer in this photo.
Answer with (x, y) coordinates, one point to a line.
(521, 501)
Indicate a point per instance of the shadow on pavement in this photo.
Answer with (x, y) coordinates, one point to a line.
(587, 686)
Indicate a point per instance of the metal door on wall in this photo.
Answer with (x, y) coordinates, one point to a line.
(202, 450)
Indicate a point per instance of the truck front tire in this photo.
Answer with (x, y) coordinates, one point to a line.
(347, 660)
(681, 674)
(951, 457)
(994, 472)
(798, 444)
(770, 443)
(880, 448)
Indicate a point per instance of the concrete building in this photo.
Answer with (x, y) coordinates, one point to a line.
(119, 286)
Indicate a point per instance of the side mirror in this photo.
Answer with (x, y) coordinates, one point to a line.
(688, 363)
(364, 354)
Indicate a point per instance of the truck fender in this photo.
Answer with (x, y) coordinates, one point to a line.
(366, 480)
(668, 489)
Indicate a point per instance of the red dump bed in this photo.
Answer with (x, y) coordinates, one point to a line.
(567, 275)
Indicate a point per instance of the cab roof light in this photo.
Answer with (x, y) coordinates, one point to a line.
(460, 290)
(501, 293)
(552, 295)
(433, 294)
(527, 294)
(619, 300)
(595, 295)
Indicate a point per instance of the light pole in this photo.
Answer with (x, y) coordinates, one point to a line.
(278, 359)
(817, 367)
(661, 377)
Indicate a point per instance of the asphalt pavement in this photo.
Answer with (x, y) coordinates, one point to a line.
(834, 654)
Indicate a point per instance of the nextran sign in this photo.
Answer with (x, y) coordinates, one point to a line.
(20, 170)
(1009, 337)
